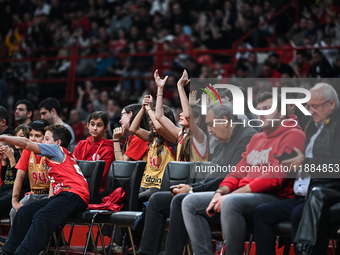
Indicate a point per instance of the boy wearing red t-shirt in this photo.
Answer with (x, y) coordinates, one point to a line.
(69, 193)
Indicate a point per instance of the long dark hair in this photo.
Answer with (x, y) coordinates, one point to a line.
(161, 140)
(185, 153)
(135, 108)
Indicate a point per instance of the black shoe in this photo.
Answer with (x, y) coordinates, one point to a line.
(303, 249)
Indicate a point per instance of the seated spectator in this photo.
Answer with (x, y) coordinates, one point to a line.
(5, 128)
(267, 215)
(69, 196)
(279, 66)
(232, 142)
(24, 111)
(35, 167)
(302, 65)
(162, 149)
(134, 148)
(242, 191)
(50, 110)
(8, 173)
(254, 68)
(96, 147)
(320, 66)
(298, 31)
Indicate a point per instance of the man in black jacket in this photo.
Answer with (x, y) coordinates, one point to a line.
(231, 143)
(322, 152)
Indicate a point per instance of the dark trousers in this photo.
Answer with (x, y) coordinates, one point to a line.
(5, 202)
(161, 206)
(267, 215)
(34, 223)
(311, 236)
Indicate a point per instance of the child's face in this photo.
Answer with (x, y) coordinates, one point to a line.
(20, 133)
(96, 128)
(36, 136)
(48, 139)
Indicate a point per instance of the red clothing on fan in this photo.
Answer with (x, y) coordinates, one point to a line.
(137, 148)
(24, 160)
(101, 150)
(67, 176)
(260, 153)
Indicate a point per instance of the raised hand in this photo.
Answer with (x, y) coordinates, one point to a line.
(118, 132)
(184, 80)
(193, 97)
(160, 82)
(147, 102)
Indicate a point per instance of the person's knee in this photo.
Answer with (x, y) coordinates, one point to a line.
(156, 200)
(316, 192)
(177, 200)
(260, 212)
(188, 203)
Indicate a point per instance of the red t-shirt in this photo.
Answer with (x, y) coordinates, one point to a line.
(101, 150)
(24, 160)
(137, 148)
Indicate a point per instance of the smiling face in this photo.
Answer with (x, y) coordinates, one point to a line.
(96, 129)
(183, 121)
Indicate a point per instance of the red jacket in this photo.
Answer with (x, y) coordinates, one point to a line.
(259, 154)
(101, 150)
(112, 202)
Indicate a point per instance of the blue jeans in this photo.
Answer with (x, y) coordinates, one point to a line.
(35, 222)
(236, 209)
(267, 215)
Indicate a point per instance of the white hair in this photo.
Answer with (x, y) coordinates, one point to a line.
(328, 92)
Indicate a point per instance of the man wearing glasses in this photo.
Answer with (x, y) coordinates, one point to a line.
(321, 155)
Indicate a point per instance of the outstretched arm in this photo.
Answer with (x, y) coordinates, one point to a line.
(196, 131)
(159, 115)
(21, 142)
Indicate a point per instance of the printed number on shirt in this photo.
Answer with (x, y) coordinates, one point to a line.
(79, 170)
(154, 162)
(39, 177)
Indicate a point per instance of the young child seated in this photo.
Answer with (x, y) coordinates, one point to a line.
(35, 166)
(8, 173)
(96, 147)
(69, 193)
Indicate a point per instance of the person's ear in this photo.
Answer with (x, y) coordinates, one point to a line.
(59, 142)
(332, 104)
(53, 112)
(3, 122)
(30, 113)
